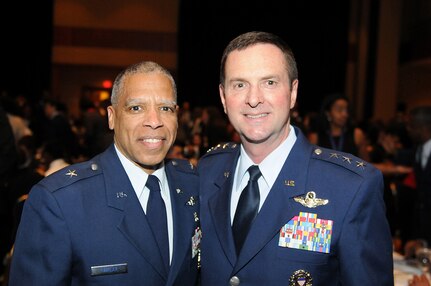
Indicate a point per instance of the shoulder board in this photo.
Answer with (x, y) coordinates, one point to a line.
(71, 174)
(182, 165)
(222, 148)
(342, 159)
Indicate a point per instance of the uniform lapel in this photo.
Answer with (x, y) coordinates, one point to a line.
(132, 221)
(181, 191)
(219, 206)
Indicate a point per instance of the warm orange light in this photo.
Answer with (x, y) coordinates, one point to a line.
(103, 95)
(107, 83)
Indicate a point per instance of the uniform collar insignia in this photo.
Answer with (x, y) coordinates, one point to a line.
(289, 183)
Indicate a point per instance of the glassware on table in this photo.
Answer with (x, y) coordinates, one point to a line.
(423, 257)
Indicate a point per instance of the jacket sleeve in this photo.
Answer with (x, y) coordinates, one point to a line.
(42, 250)
(365, 248)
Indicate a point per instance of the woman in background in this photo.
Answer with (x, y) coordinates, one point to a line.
(335, 129)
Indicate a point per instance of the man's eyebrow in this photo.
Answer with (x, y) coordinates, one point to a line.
(132, 101)
(166, 101)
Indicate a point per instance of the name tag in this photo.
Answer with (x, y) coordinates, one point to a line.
(108, 269)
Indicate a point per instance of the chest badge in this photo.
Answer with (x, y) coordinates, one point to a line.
(301, 278)
(310, 200)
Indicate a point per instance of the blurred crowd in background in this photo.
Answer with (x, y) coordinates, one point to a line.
(45, 138)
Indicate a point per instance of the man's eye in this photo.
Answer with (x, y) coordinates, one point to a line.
(270, 83)
(135, 108)
(238, 85)
(167, 108)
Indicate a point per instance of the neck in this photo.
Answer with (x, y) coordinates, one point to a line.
(336, 130)
(258, 151)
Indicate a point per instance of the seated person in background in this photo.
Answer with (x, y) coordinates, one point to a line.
(53, 158)
(336, 130)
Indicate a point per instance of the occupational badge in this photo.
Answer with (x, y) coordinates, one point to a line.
(301, 278)
(310, 200)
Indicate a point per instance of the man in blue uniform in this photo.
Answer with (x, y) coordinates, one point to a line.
(99, 222)
(301, 215)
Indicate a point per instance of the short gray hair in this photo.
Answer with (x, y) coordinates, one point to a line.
(144, 67)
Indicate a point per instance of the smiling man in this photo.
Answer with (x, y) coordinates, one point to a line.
(276, 210)
(126, 217)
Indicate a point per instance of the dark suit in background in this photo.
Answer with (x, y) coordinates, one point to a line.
(8, 166)
(419, 126)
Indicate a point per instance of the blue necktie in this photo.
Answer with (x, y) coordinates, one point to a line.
(156, 214)
(248, 206)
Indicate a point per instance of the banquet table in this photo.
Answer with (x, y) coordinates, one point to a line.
(404, 270)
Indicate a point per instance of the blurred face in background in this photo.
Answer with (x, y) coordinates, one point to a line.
(338, 113)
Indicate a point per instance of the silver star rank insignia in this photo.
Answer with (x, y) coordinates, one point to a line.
(71, 173)
(360, 164)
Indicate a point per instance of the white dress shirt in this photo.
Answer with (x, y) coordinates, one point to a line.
(138, 177)
(270, 167)
(426, 150)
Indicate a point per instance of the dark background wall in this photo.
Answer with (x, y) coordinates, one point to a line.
(315, 30)
(25, 49)
(90, 41)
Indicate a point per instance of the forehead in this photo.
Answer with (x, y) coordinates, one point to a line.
(148, 85)
(259, 57)
(339, 103)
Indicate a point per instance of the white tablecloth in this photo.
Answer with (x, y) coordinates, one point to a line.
(403, 271)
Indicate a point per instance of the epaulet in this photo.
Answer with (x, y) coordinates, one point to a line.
(342, 159)
(222, 148)
(182, 165)
(71, 174)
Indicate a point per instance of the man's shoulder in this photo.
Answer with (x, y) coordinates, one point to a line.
(71, 175)
(181, 165)
(222, 148)
(347, 161)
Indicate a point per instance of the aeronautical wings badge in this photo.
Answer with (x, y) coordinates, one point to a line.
(310, 200)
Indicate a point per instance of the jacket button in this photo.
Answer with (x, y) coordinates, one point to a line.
(234, 281)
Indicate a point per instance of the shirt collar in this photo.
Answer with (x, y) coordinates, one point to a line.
(271, 166)
(137, 176)
(426, 148)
